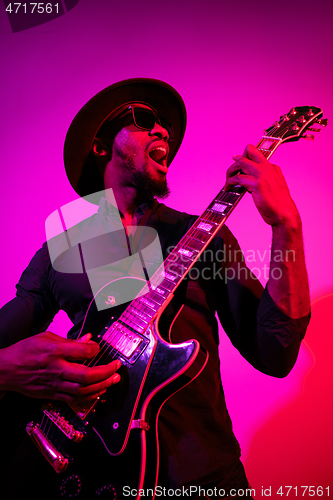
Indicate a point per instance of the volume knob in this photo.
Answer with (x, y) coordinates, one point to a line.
(71, 486)
(107, 491)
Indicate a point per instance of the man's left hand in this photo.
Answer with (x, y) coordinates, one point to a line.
(267, 185)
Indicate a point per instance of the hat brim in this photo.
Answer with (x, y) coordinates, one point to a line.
(84, 127)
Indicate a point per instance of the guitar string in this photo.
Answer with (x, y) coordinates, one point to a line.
(155, 281)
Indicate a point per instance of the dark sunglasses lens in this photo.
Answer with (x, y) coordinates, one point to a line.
(144, 118)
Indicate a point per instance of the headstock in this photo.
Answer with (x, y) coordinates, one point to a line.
(294, 124)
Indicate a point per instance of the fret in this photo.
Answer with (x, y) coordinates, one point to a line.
(224, 202)
(267, 145)
(134, 323)
(143, 315)
(167, 285)
(264, 152)
(171, 277)
(228, 196)
(221, 208)
(193, 244)
(212, 217)
(176, 268)
(204, 226)
(185, 252)
(182, 260)
(150, 303)
(160, 290)
(138, 305)
(133, 315)
(156, 297)
(199, 235)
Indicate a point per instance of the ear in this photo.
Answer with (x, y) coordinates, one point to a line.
(99, 148)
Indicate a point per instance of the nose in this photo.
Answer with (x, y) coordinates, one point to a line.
(160, 132)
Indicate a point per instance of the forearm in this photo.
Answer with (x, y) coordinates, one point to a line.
(288, 282)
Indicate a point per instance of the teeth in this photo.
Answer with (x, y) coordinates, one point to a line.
(160, 148)
(158, 154)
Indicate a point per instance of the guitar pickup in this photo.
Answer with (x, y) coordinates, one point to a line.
(52, 455)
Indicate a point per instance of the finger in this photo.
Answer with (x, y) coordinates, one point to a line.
(85, 339)
(246, 181)
(79, 351)
(86, 375)
(253, 153)
(99, 388)
(80, 391)
(242, 166)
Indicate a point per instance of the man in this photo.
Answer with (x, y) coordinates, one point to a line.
(123, 140)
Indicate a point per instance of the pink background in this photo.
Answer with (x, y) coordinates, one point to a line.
(238, 65)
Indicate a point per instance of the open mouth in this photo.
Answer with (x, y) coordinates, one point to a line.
(159, 155)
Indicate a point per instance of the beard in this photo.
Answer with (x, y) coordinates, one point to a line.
(148, 186)
(141, 179)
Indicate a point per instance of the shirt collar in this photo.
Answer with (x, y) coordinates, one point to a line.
(108, 210)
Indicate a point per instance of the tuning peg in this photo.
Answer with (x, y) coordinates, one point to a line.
(314, 129)
(308, 137)
(323, 122)
(310, 113)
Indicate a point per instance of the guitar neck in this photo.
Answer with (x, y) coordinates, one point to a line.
(159, 290)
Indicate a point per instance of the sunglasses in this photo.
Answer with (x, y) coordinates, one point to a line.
(145, 119)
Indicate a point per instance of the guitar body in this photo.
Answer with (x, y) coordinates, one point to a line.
(116, 448)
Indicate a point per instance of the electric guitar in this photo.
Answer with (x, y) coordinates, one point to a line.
(110, 447)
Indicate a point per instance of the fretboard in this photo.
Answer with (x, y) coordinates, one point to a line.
(161, 287)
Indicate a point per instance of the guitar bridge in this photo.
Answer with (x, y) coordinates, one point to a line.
(52, 455)
(62, 424)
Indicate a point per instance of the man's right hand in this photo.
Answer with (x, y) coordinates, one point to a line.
(49, 366)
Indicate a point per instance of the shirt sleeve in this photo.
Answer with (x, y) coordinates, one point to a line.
(33, 308)
(263, 334)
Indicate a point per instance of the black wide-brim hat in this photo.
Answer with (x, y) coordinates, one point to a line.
(83, 129)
